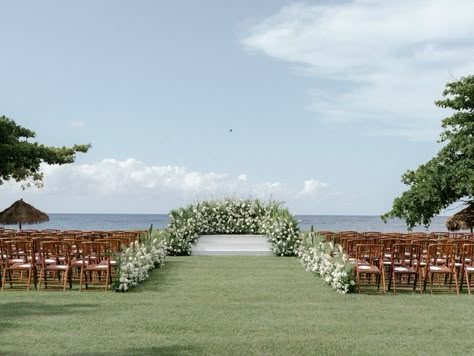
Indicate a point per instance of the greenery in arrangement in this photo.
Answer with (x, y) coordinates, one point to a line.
(250, 306)
(21, 159)
(231, 216)
(327, 260)
(136, 261)
(449, 176)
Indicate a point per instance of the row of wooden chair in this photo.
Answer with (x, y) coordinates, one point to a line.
(54, 260)
(71, 234)
(416, 259)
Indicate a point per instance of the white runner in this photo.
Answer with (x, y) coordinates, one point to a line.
(232, 245)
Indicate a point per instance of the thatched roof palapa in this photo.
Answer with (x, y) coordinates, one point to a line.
(22, 213)
(464, 220)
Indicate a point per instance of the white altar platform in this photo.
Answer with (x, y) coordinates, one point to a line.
(232, 245)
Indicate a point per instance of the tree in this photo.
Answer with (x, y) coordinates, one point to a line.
(449, 176)
(20, 160)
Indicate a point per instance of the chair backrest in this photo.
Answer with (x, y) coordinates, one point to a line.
(75, 248)
(96, 252)
(115, 244)
(439, 235)
(3, 249)
(59, 251)
(19, 250)
(406, 255)
(349, 244)
(371, 253)
(468, 255)
(388, 242)
(441, 254)
(371, 233)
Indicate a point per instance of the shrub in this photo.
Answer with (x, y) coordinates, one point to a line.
(136, 261)
(327, 260)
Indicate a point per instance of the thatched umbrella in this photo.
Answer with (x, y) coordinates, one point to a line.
(464, 220)
(22, 213)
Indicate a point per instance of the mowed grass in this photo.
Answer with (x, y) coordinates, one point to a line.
(234, 305)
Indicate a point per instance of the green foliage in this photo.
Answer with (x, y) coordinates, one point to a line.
(449, 176)
(136, 261)
(327, 260)
(232, 216)
(21, 160)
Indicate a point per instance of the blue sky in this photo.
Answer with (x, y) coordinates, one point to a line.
(329, 102)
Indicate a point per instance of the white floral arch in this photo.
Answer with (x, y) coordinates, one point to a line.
(232, 216)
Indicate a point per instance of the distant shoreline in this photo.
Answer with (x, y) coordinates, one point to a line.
(111, 221)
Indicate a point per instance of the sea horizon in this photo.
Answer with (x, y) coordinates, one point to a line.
(134, 221)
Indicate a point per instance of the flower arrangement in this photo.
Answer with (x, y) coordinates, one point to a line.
(232, 216)
(327, 259)
(136, 261)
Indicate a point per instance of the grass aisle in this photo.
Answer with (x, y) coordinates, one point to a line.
(234, 305)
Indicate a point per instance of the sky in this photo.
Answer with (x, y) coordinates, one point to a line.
(321, 105)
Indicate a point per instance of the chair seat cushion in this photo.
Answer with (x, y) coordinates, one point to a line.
(56, 267)
(440, 269)
(365, 268)
(404, 270)
(21, 266)
(96, 267)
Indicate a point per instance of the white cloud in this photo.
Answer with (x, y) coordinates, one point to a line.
(378, 63)
(311, 187)
(130, 186)
(76, 124)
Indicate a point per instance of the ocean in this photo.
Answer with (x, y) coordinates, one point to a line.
(143, 221)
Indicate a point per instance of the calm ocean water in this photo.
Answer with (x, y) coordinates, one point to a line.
(143, 221)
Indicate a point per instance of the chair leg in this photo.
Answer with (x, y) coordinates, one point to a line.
(65, 278)
(4, 277)
(358, 280)
(455, 282)
(390, 276)
(383, 281)
(70, 278)
(40, 277)
(30, 272)
(430, 275)
(468, 281)
(80, 279)
(420, 275)
(35, 275)
(425, 280)
(107, 280)
(394, 277)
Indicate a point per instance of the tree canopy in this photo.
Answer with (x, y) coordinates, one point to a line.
(449, 176)
(20, 159)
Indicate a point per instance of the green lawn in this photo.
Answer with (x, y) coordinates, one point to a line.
(234, 305)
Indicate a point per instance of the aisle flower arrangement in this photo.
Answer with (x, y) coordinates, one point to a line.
(327, 260)
(232, 216)
(136, 261)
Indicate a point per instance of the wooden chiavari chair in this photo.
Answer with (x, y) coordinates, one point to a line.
(467, 269)
(441, 261)
(96, 268)
(369, 262)
(405, 262)
(55, 265)
(20, 259)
